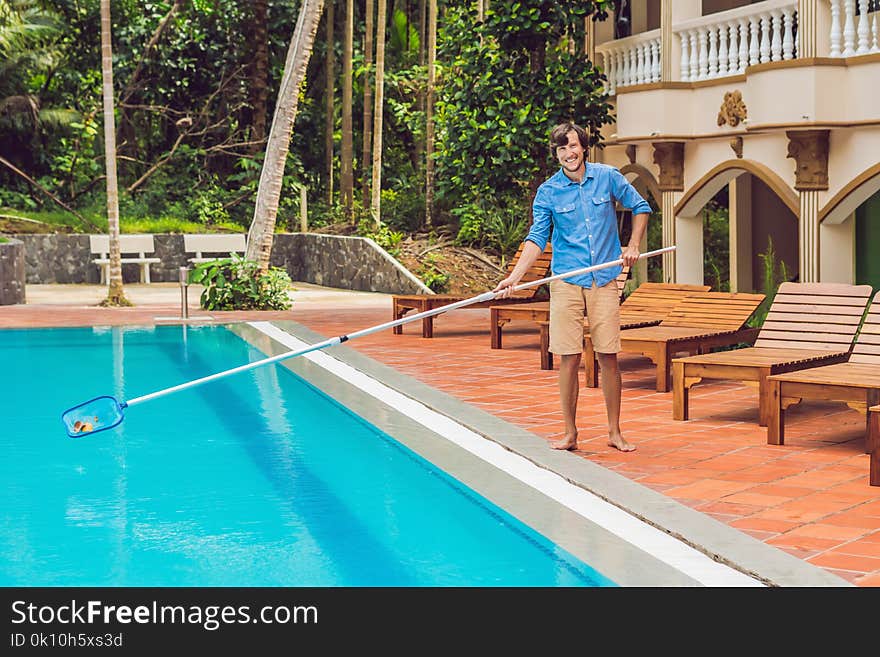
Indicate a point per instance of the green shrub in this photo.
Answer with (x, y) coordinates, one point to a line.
(383, 236)
(435, 279)
(775, 273)
(236, 284)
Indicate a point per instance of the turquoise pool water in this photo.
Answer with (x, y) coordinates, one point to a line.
(254, 480)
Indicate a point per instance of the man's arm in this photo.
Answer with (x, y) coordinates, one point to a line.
(624, 192)
(631, 251)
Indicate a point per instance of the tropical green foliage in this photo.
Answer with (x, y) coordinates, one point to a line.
(236, 284)
(505, 83)
(775, 272)
(186, 99)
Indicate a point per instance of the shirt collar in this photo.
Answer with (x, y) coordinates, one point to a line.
(588, 173)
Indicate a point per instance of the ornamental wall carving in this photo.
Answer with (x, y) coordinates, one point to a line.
(669, 156)
(733, 110)
(809, 150)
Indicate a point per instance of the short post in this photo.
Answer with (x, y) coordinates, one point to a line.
(303, 210)
(184, 306)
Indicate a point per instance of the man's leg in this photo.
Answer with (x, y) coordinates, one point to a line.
(611, 387)
(568, 394)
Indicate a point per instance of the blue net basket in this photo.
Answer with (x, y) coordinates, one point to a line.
(98, 414)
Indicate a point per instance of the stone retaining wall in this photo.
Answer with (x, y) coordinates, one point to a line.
(351, 263)
(12, 277)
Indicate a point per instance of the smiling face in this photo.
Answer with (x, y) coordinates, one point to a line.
(571, 156)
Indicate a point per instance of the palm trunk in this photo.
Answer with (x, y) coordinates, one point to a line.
(375, 206)
(115, 293)
(429, 114)
(368, 102)
(259, 90)
(329, 95)
(346, 174)
(262, 230)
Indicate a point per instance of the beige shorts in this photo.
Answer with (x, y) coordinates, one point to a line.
(570, 303)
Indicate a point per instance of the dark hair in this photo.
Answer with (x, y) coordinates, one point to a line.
(559, 135)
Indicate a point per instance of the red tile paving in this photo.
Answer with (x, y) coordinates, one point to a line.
(810, 497)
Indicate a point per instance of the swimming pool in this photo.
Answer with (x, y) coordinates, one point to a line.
(259, 479)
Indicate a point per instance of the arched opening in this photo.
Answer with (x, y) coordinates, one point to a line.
(734, 225)
(650, 269)
(850, 232)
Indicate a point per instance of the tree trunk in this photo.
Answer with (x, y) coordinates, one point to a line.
(429, 113)
(262, 230)
(115, 293)
(346, 174)
(259, 82)
(329, 95)
(375, 206)
(368, 103)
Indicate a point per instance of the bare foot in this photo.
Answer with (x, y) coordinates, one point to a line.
(566, 443)
(619, 442)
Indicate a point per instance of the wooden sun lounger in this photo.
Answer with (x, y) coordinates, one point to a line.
(699, 322)
(855, 382)
(808, 324)
(874, 443)
(401, 304)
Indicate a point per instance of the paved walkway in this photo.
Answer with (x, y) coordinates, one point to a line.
(810, 497)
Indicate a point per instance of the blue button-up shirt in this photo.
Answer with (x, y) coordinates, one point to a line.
(584, 221)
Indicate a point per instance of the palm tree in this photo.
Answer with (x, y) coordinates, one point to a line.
(115, 293)
(262, 230)
(329, 93)
(368, 100)
(375, 205)
(346, 153)
(429, 113)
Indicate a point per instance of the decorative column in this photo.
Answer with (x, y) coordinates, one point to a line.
(667, 42)
(669, 156)
(809, 149)
(806, 28)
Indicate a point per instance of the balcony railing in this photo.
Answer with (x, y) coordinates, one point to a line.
(725, 43)
(853, 34)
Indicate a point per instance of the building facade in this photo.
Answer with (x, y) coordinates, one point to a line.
(776, 102)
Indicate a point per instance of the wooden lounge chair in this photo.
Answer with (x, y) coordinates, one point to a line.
(699, 322)
(855, 382)
(401, 304)
(647, 305)
(808, 324)
(874, 443)
(535, 311)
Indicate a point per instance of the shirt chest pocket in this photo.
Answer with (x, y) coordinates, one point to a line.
(566, 211)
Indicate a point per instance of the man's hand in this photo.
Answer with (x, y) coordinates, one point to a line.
(630, 255)
(505, 287)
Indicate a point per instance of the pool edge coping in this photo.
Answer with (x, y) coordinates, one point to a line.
(713, 538)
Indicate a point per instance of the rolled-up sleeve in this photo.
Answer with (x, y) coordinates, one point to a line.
(542, 218)
(626, 194)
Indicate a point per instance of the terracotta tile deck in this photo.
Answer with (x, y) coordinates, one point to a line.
(810, 497)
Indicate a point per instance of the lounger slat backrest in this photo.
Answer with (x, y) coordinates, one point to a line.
(139, 243)
(658, 299)
(818, 316)
(539, 269)
(867, 346)
(719, 311)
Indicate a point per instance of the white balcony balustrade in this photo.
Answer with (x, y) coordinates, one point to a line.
(629, 61)
(725, 43)
(854, 27)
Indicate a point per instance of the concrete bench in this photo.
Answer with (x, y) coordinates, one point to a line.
(223, 244)
(133, 249)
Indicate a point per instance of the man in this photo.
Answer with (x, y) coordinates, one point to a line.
(579, 202)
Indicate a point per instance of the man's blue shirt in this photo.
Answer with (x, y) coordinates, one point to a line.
(584, 220)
